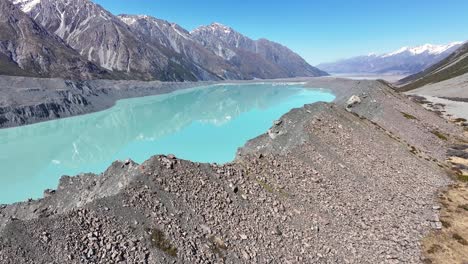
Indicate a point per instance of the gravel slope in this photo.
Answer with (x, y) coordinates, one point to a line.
(327, 184)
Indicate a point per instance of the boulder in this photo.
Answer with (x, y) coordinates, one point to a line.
(353, 100)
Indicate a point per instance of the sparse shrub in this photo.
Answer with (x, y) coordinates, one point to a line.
(445, 224)
(460, 239)
(265, 186)
(462, 177)
(463, 206)
(434, 248)
(458, 120)
(439, 135)
(408, 116)
(159, 240)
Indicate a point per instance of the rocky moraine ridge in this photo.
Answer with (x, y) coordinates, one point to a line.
(343, 182)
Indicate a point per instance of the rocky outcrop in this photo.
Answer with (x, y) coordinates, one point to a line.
(333, 187)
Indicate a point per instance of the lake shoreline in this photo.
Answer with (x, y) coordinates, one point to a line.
(32, 100)
(347, 175)
(202, 124)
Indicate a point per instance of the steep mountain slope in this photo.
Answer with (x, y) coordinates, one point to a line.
(143, 47)
(403, 61)
(173, 37)
(454, 65)
(106, 40)
(259, 59)
(28, 49)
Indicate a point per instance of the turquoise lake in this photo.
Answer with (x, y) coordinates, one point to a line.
(204, 124)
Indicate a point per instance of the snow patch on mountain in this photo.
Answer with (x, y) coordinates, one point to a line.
(26, 5)
(214, 27)
(404, 61)
(426, 48)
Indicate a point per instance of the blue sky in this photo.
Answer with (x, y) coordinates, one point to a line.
(320, 31)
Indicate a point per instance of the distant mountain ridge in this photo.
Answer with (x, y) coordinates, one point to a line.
(456, 64)
(406, 60)
(147, 48)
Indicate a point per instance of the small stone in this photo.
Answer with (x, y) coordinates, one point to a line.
(127, 162)
(278, 122)
(243, 236)
(436, 225)
(171, 156)
(245, 255)
(233, 188)
(45, 238)
(90, 253)
(436, 207)
(206, 229)
(48, 192)
(272, 134)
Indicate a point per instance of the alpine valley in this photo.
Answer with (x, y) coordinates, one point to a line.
(129, 139)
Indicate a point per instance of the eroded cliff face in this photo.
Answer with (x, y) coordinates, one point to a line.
(31, 100)
(66, 105)
(335, 184)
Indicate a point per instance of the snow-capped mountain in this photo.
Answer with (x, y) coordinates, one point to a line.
(456, 64)
(143, 47)
(406, 60)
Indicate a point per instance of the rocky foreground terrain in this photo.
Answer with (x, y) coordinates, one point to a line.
(354, 181)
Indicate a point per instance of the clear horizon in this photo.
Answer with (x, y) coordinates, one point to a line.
(318, 31)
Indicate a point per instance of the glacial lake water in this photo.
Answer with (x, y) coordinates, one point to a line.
(205, 124)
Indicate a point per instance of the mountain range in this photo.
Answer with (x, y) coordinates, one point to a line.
(407, 60)
(456, 64)
(79, 39)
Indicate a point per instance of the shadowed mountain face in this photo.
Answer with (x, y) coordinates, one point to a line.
(27, 49)
(454, 65)
(143, 47)
(403, 61)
